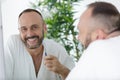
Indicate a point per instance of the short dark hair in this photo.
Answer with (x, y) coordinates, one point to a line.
(108, 14)
(103, 8)
(30, 10)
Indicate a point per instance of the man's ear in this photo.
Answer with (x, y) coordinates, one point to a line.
(45, 28)
(98, 34)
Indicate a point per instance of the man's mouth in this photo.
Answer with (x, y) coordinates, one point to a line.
(32, 40)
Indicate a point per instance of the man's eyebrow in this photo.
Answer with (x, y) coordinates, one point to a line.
(22, 27)
(34, 25)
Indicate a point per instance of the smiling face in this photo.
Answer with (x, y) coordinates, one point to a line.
(31, 27)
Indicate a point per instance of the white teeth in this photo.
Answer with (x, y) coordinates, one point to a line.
(31, 39)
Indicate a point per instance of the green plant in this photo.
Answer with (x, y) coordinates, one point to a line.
(60, 23)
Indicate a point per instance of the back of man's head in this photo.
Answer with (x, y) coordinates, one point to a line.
(106, 14)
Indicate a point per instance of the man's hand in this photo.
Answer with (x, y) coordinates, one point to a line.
(54, 65)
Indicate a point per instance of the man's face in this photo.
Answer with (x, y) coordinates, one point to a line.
(84, 24)
(31, 28)
(84, 37)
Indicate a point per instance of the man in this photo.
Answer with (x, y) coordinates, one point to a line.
(31, 57)
(99, 32)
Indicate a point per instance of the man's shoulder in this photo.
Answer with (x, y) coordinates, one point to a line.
(106, 43)
(96, 43)
(14, 40)
(97, 47)
(102, 46)
(14, 37)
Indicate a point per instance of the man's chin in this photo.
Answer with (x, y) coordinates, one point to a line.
(32, 47)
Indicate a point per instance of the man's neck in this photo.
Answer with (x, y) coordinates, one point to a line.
(114, 34)
(36, 52)
(36, 55)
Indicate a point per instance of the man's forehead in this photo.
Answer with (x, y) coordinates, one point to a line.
(86, 19)
(87, 13)
(30, 17)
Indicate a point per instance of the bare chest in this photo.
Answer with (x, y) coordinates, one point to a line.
(37, 64)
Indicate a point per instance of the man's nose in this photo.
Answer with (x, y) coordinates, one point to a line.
(30, 32)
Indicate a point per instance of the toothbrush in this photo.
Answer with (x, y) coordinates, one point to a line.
(45, 54)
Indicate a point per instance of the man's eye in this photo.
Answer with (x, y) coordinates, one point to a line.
(23, 29)
(35, 27)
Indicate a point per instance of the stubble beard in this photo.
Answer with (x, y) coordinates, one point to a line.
(40, 40)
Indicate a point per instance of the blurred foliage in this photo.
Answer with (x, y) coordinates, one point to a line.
(60, 23)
